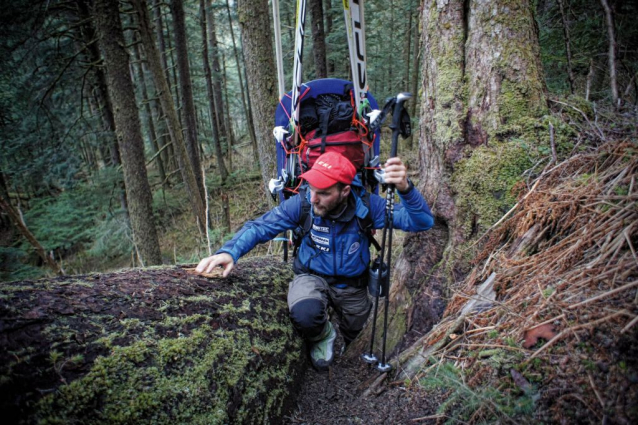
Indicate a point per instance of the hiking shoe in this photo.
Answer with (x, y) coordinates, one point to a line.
(322, 350)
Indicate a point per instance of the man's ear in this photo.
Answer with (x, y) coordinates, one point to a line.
(346, 190)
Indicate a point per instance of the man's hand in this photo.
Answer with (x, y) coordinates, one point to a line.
(396, 173)
(207, 264)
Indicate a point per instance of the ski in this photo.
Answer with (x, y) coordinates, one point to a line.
(297, 69)
(355, 28)
(278, 53)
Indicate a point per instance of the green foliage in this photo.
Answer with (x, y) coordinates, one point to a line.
(15, 265)
(167, 205)
(484, 404)
(60, 223)
(589, 44)
(112, 238)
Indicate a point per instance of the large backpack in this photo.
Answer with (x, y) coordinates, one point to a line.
(327, 122)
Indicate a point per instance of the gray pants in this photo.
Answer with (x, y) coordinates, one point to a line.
(309, 297)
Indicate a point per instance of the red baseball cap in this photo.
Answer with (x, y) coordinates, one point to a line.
(330, 168)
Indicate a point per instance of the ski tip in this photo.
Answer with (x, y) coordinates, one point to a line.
(403, 96)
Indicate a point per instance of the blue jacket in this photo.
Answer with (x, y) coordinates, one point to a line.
(332, 247)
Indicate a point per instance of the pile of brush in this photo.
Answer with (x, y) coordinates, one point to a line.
(556, 310)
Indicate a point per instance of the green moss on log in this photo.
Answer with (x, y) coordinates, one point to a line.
(156, 346)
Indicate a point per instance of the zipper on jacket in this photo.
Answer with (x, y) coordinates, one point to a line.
(334, 247)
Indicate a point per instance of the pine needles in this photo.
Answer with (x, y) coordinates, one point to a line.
(566, 307)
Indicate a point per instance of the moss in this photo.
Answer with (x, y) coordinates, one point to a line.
(483, 183)
(214, 364)
(135, 384)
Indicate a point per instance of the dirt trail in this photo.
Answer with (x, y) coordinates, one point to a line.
(338, 397)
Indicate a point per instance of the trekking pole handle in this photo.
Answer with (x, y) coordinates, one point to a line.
(396, 121)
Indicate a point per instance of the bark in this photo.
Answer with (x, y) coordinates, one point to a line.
(260, 65)
(414, 84)
(229, 121)
(318, 38)
(216, 75)
(103, 100)
(189, 116)
(168, 347)
(328, 17)
(503, 65)
(149, 114)
(611, 36)
(214, 93)
(172, 120)
(407, 51)
(172, 71)
(128, 131)
(159, 34)
(568, 47)
(250, 123)
(24, 230)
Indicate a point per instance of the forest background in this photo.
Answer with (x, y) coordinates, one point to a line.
(63, 86)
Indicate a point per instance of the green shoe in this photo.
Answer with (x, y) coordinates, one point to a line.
(322, 350)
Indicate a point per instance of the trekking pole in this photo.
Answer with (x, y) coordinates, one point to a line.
(383, 366)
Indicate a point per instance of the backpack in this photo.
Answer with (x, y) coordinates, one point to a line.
(328, 121)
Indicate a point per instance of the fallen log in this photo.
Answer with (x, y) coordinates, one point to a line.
(156, 345)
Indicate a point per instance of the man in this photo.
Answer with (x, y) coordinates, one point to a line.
(331, 268)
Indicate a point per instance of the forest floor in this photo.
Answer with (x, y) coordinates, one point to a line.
(353, 392)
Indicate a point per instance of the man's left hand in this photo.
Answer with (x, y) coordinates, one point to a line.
(396, 173)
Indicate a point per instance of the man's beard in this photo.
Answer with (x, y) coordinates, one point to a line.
(331, 209)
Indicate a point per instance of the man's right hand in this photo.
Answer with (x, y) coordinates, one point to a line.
(207, 264)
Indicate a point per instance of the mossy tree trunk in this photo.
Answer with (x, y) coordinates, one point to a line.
(254, 21)
(149, 346)
(482, 89)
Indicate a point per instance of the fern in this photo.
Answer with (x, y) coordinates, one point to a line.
(484, 404)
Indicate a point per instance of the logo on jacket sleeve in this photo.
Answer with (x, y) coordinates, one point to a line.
(354, 247)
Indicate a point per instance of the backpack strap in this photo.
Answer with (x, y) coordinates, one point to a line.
(305, 221)
(366, 223)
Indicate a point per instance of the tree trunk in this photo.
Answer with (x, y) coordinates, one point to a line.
(481, 81)
(104, 102)
(129, 135)
(159, 33)
(149, 114)
(168, 347)
(214, 94)
(568, 47)
(260, 65)
(414, 84)
(229, 121)
(245, 100)
(216, 75)
(172, 120)
(327, 12)
(189, 116)
(318, 38)
(611, 35)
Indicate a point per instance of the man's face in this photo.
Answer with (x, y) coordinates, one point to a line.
(325, 201)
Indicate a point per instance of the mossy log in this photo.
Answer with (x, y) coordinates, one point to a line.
(156, 345)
